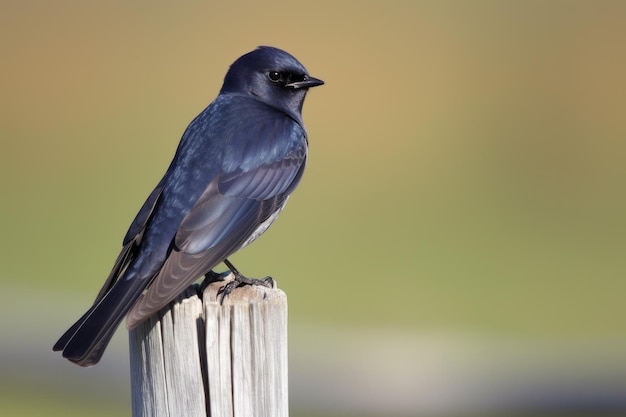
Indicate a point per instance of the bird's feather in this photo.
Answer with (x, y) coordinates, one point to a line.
(223, 219)
(232, 173)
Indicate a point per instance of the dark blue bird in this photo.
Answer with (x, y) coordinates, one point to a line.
(236, 165)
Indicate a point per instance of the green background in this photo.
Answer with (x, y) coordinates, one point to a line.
(466, 175)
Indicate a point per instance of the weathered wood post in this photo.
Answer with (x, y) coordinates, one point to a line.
(198, 357)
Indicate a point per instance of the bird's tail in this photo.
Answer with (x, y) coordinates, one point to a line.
(85, 342)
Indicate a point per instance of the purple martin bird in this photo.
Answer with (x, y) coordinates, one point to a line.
(235, 167)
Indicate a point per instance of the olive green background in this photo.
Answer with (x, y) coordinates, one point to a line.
(466, 169)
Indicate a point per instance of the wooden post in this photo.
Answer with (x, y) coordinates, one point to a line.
(198, 357)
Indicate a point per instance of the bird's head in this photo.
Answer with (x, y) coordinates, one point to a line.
(272, 76)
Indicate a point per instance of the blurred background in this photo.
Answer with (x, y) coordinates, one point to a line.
(456, 247)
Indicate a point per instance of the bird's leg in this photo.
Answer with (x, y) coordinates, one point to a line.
(241, 280)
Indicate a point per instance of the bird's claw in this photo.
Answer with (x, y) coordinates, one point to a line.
(240, 281)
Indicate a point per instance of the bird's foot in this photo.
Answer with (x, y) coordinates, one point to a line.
(241, 280)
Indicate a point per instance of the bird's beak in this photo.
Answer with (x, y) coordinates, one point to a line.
(308, 82)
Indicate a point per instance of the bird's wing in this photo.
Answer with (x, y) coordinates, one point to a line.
(131, 241)
(88, 349)
(227, 213)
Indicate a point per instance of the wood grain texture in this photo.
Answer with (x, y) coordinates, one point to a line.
(198, 357)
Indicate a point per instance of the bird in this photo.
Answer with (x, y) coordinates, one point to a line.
(234, 169)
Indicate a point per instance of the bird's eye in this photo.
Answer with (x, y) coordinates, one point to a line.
(274, 76)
